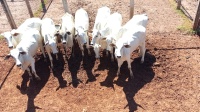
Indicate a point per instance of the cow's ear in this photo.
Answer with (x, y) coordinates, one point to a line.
(56, 35)
(22, 52)
(69, 33)
(7, 57)
(103, 38)
(91, 31)
(15, 34)
(46, 43)
(127, 46)
(112, 45)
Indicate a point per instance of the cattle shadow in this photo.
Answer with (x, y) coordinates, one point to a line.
(59, 69)
(143, 74)
(106, 64)
(88, 64)
(77, 62)
(34, 87)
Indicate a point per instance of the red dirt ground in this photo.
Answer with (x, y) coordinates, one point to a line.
(169, 79)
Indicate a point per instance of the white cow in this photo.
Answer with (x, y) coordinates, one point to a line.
(102, 15)
(14, 37)
(125, 45)
(81, 27)
(108, 33)
(67, 32)
(48, 32)
(140, 19)
(25, 51)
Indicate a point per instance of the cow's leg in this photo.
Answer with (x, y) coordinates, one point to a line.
(72, 51)
(142, 52)
(119, 66)
(82, 49)
(112, 55)
(42, 49)
(49, 54)
(56, 56)
(129, 67)
(29, 73)
(96, 50)
(88, 48)
(33, 69)
(107, 53)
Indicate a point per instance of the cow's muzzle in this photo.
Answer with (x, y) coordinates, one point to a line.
(10, 47)
(19, 65)
(118, 56)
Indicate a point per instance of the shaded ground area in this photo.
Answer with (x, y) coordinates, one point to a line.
(167, 81)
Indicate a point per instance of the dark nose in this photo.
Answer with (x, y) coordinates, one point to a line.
(10, 47)
(19, 65)
(64, 42)
(118, 56)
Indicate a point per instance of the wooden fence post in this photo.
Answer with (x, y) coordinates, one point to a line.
(131, 8)
(65, 5)
(8, 14)
(43, 6)
(178, 4)
(196, 21)
(29, 8)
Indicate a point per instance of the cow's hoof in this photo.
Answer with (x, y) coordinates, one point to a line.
(118, 74)
(38, 78)
(30, 78)
(132, 77)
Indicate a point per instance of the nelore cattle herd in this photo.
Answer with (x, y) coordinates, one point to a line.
(108, 33)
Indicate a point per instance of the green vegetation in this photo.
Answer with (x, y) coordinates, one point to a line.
(38, 12)
(187, 23)
(1, 37)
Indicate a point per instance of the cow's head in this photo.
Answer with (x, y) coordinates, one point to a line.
(65, 37)
(51, 44)
(96, 35)
(119, 48)
(18, 55)
(8, 37)
(80, 35)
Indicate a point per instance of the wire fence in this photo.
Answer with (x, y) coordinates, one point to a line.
(20, 13)
(189, 7)
(5, 65)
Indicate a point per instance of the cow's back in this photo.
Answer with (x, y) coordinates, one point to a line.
(102, 15)
(30, 24)
(81, 19)
(141, 19)
(48, 27)
(67, 23)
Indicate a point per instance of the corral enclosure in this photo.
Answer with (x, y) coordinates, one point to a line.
(167, 81)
